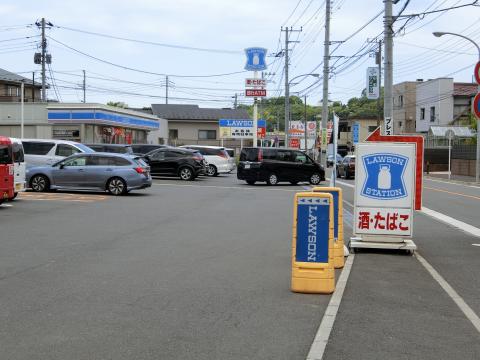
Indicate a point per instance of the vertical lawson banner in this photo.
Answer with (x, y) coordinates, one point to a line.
(373, 87)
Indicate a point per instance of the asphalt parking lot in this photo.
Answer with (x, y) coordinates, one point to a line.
(201, 270)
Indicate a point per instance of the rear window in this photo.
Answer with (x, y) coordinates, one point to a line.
(107, 161)
(230, 153)
(66, 150)
(37, 148)
(249, 154)
(18, 155)
(5, 155)
(140, 162)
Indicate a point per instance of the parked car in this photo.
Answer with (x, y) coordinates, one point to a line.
(330, 160)
(169, 161)
(347, 167)
(217, 158)
(274, 165)
(230, 152)
(142, 149)
(19, 167)
(40, 152)
(115, 173)
(112, 148)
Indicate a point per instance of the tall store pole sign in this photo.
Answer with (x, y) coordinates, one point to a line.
(373, 87)
(255, 62)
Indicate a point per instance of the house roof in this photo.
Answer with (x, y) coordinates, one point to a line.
(465, 89)
(8, 76)
(194, 112)
(460, 131)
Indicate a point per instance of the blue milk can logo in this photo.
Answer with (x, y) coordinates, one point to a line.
(384, 176)
(255, 59)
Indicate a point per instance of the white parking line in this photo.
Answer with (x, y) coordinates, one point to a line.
(323, 334)
(452, 183)
(460, 225)
(250, 188)
(467, 310)
(476, 244)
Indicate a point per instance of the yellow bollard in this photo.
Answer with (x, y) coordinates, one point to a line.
(336, 192)
(312, 243)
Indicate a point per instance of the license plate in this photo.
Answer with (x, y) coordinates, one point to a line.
(247, 166)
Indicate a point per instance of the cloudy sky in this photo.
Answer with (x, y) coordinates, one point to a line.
(195, 40)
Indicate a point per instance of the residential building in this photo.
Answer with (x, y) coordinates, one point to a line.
(10, 85)
(404, 107)
(189, 124)
(89, 123)
(463, 94)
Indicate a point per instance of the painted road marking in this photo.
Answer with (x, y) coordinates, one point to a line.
(61, 197)
(472, 230)
(467, 310)
(476, 244)
(264, 188)
(453, 193)
(452, 183)
(323, 334)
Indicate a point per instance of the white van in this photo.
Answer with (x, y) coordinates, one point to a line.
(18, 165)
(217, 158)
(40, 152)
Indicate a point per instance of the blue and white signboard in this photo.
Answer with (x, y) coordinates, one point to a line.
(238, 129)
(312, 229)
(384, 188)
(256, 59)
(356, 132)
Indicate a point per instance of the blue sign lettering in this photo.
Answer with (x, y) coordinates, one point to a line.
(356, 133)
(312, 230)
(241, 123)
(384, 176)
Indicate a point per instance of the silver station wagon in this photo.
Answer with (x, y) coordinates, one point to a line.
(115, 173)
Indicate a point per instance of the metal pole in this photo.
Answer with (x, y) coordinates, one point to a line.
(255, 115)
(326, 58)
(166, 89)
(388, 39)
(287, 91)
(84, 87)
(305, 116)
(44, 54)
(449, 155)
(379, 62)
(22, 98)
(33, 86)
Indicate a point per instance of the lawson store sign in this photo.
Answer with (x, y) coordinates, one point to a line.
(100, 117)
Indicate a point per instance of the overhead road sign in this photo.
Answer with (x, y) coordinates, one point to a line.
(256, 59)
(312, 244)
(418, 141)
(255, 92)
(256, 83)
(384, 195)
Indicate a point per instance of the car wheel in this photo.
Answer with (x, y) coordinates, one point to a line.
(272, 179)
(117, 186)
(251, 182)
(40, 183)
(315, 179)
(186, 174)
(294, 182)
(212, 170)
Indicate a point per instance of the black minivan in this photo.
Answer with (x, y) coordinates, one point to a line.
(274, 165)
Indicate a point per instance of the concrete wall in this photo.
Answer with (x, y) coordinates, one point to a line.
(189, 130)
(436, 93)
(404, 107)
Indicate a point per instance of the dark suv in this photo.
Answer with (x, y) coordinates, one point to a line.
(170, 161)
(142, 149)
(274, 165)
(112, 148)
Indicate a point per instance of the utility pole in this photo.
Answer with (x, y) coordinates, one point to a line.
(235, 101)
(22, 100)
(166, 89)
(305, 118)
(84, 87)
(33, 86)
(326, 58)
(287, 84)
(388, 66)
(287, 90)
(44, 55)
(378, 60)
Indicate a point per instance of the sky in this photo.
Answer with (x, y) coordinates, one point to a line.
(196, 40)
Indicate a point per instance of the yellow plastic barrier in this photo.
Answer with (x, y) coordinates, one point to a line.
(312, 243)
(338, 246)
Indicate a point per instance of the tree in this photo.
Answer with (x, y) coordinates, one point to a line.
(119, 104)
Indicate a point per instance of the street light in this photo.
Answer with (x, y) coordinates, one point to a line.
(477, 167)
(287, 103)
